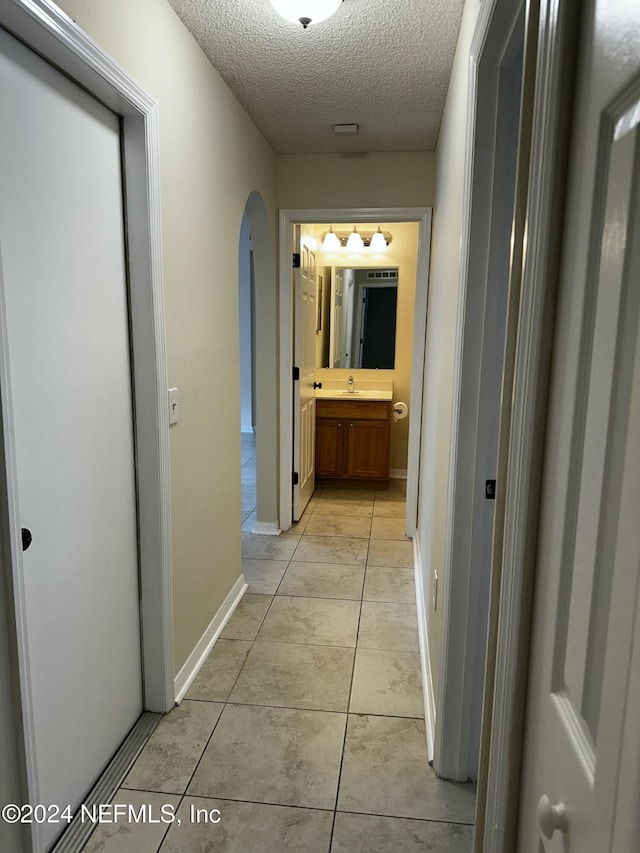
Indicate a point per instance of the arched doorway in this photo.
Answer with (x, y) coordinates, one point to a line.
(258, 371)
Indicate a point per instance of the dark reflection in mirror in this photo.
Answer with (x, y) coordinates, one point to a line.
(360, 308)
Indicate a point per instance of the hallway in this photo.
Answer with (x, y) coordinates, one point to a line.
(305, 725)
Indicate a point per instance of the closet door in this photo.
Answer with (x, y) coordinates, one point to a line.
(64, 299)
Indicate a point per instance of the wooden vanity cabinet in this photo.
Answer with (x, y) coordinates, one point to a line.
(329, 446)
(352, 442)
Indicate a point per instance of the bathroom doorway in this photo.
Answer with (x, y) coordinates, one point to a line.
(257, 374)
(389, 218)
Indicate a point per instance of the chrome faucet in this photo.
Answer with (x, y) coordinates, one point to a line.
(350, 384)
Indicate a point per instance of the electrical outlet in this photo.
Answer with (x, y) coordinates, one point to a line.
(435, 590)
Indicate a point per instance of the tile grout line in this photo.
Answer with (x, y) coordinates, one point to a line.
(316, 808)
(346, 727)
(353, 670)
(257, 704)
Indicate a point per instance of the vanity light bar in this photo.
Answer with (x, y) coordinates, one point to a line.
(367, 236)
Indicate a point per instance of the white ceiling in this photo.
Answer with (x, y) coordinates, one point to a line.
(383, 64)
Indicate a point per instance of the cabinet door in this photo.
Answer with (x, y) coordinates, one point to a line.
(368, 449)
(329, 447)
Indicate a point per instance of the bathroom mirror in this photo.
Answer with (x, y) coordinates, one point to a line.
(360, 310)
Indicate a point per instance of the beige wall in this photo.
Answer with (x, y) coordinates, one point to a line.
(355, 180)
(402, 252)
(212, 157)
(441, 332)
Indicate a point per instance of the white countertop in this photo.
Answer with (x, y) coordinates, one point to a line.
(334, 394)
(363, 390)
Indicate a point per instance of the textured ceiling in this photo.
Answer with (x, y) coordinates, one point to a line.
(382, 64)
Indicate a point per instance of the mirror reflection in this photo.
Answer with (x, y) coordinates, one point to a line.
(358, 318)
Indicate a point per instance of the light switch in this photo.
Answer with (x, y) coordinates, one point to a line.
(173, 406)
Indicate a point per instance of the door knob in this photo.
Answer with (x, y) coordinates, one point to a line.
(551, 817)
(27, 538)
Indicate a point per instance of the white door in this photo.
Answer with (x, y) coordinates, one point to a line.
(64, 297)
(581, 727)
(336, 357)
(348, 299)
(304, 402)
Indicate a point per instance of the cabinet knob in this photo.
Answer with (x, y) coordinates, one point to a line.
(350, 425)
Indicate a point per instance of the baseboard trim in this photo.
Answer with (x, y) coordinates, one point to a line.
(425, 659)
(191, 668)
(266, 528)
(398, 473)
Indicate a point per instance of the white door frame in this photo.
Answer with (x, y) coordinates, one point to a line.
(490, 184)
(290, 217)
(554, 36)
(53, 35)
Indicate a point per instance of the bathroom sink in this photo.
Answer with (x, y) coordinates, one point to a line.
(360, 394)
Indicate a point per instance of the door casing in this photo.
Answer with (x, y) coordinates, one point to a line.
(45, 29)
(526, 385)
(486, 267)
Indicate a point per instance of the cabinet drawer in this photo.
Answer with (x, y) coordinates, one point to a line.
(378, 410)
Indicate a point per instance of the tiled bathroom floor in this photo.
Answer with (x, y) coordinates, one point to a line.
(305, 726)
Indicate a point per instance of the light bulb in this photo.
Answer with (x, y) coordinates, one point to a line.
(354, 243)
(331, 241)
(305, 12)
(378, 243)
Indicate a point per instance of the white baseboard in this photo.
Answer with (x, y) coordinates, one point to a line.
(398, 473)
(191, 668)
(423, 636)
(266, 528)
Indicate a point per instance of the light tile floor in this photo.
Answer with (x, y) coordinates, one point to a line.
(305, 728)
(248, 473)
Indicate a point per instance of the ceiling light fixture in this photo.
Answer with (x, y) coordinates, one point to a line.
(354, 243)
(331, 241)
(305, 12)
(378, 242)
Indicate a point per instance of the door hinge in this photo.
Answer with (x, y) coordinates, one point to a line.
(296, 374)
(296, 260)
(295, 479)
